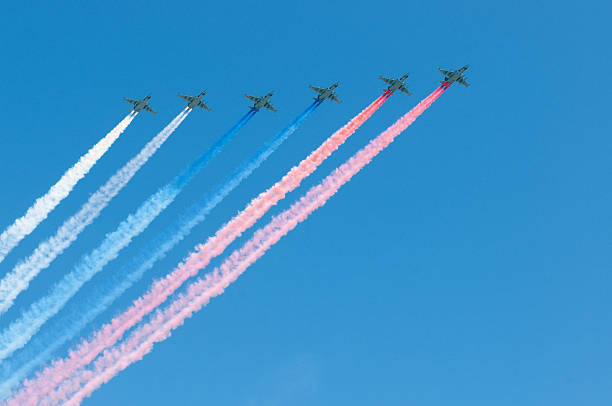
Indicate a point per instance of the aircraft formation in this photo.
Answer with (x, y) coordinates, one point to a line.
(39, 331)
(323, 93)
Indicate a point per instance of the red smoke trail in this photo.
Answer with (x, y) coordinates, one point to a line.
(108, 334)
(141, 341)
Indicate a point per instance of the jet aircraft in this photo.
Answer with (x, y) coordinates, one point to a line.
(451, 76)
(140, 105)
(195, 101)
(261, 102)
(396, 84)
(326, 93)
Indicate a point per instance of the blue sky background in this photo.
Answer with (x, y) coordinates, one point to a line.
(468, 264)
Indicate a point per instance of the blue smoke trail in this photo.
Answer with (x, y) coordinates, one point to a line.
(19, 332)
(62, 330)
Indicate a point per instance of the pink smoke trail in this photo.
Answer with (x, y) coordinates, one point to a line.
(111, 332)
(141, 340)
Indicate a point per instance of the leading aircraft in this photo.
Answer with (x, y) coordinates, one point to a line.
(396, 84)
(261, 102)
(195, 101)
(326, 93)
(451, 76)
(140, 105)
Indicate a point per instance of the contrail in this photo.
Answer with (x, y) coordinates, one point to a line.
(110, 333)
(40, 349)
(18, 279)
(141, 341)
(19, 332)
(20, 276)
(45, 204)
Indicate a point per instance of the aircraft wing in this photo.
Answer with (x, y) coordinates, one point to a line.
(386, 80)
(130, 100)
(334, 98)
(149, 109)
(188, 98)
(203, 106)
(463, 82)
(270, 107)
(316, 89)
(253, 98)
(403, 89)
(444, 72)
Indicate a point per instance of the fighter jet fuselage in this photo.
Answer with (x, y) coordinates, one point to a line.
(140, 105)
(261, 102)
(195, 101)
(452, 76)
(326, 93)
(396, 84)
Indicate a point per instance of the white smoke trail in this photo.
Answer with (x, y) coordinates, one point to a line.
(19, 278)
(41, 208)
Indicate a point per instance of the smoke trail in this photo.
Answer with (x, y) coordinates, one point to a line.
(110, 333)
(58, 192)
(141, 341)
(20, 276)
(62, 330)
(17, 333)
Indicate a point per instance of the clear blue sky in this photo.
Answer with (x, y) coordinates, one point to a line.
(469, 264)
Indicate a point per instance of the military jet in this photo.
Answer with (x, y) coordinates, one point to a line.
(326, 93)
(261, 102)
(396, 84)
(451, 76)
(140, 105)
(195, 101)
